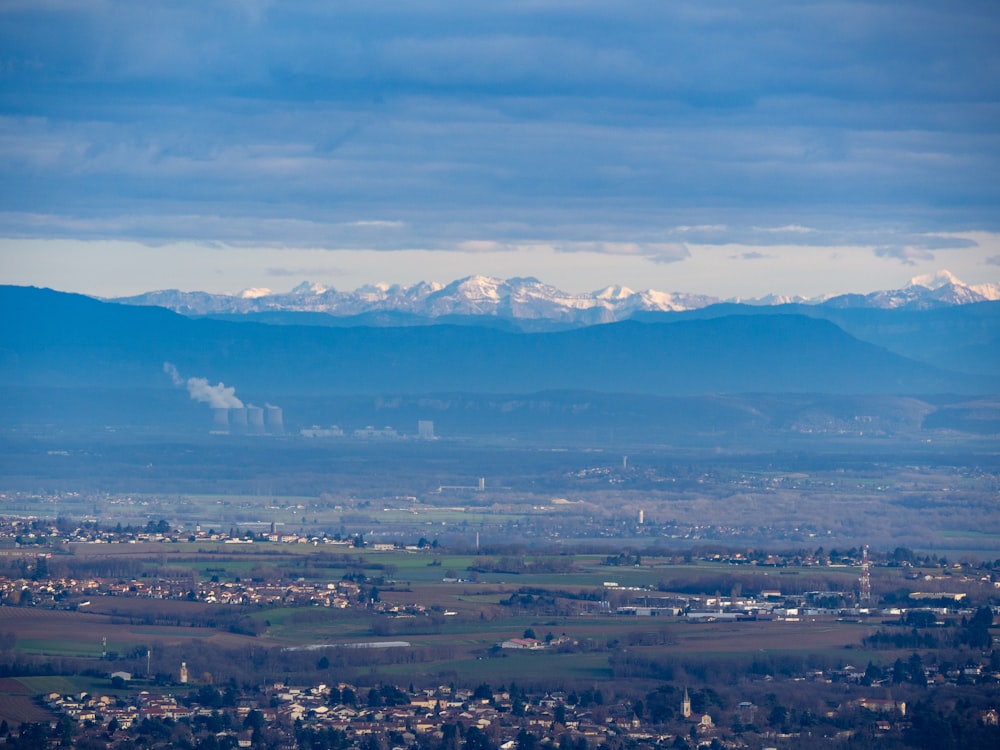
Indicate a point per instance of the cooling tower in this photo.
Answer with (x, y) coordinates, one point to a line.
(238, 419)
(275, 425)
(255, 420)
(220, 420)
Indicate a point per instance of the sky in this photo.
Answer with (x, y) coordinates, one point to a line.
(726, 148)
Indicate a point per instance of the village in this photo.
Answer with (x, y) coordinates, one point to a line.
(132, 705)
(33, 546)
(386, 716)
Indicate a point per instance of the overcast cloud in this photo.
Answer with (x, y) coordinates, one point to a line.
(540, 129)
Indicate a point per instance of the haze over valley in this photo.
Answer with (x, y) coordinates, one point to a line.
(801, 389)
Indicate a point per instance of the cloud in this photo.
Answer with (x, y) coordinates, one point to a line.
(993, 260)
(907, 255)
(752, 255)
(658, 252)
(304, 272)
(787, 229)
(702, 228)
(943, 242)
(377, 224)
(642, 129)
(484, 246)
(666, 252)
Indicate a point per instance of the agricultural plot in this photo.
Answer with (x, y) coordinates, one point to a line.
(79, 634)
(18, 709)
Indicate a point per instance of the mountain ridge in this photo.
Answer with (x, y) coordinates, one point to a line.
(527, 298)
(69, 340)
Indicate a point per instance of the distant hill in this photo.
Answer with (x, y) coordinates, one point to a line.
(937, 320)
(962, 338)
(65, 340)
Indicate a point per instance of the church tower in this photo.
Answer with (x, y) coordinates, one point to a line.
(686, 705)
(184, 673)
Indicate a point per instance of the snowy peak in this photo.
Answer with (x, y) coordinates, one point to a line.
(511, 298)
(990, 292)
(306, 289)
(255, 293)
(476, 288)
(775, 299)
(527, 298)
(935, 280)
(950, 290)
(946, 288)
(612, 293)
(940, 289)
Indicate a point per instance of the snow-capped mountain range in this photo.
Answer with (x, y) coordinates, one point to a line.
(529, 298)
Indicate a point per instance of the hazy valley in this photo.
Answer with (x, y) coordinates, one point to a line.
(579, 524)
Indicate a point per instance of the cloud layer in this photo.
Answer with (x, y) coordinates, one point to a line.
(629, 128)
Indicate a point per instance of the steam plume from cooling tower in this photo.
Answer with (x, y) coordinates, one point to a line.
(219, 396)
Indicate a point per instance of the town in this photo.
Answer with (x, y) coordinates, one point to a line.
(905, 628)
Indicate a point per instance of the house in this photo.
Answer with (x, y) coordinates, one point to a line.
(522, 643)
(883, 706)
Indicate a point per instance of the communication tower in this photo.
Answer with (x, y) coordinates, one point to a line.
(866, 577)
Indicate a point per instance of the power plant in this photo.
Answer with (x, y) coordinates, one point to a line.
(248, 420)
(269, 420)
(230, 415)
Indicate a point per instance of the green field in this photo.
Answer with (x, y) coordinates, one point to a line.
(514, 667)
(57, 647)
(66, 685)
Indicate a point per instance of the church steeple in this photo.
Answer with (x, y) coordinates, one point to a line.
(686, 705)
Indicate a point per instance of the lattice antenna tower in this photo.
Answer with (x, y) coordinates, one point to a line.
(866, 576)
